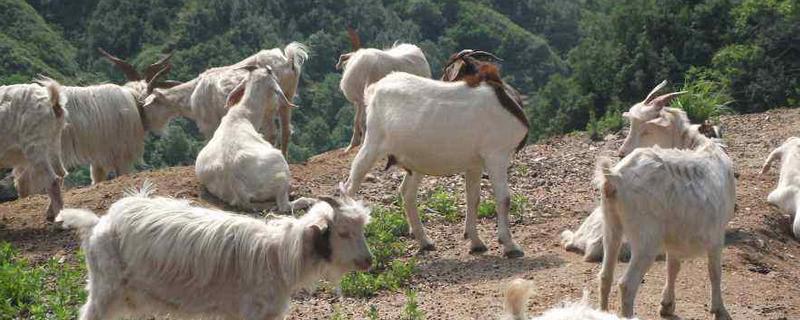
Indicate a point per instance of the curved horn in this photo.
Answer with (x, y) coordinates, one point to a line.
(653, 92)
(152, 69)
(663, 100)
(483, 54)
(152, 84)
(122, 65)
(355, 40)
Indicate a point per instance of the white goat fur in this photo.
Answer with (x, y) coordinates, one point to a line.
(31, 122)
(786, 195)
(161, 256)
(520, 290)
(238, 165)
(104, 129)
(588, 239)
(432, 127)
(367, 66)
(203, 98)
(677, 199)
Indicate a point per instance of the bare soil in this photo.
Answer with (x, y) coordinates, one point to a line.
(761, 273)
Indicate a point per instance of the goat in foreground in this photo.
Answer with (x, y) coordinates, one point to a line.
(520, 290)
(31, 121)
(430, 127)
(364, 67)
(238, 165)
(786, 195)
(679, 199)
(161, 256)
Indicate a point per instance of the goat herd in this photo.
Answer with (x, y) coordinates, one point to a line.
(672, 192)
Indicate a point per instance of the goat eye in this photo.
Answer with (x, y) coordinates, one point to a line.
(344, 235)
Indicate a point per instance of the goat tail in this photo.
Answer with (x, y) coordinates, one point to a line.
(79, 219)
(297, 54)
(58, 99)
(517, 295)
(602, 177)
(146, 191)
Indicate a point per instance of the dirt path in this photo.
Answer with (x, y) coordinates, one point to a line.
(760, 263)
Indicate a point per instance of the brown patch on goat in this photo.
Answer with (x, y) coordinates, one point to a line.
(55, 100)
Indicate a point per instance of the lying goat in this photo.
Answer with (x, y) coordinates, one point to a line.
(520, 290)
(786, 195)
(158, 256)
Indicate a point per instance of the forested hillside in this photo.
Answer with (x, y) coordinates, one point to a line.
(580, 62)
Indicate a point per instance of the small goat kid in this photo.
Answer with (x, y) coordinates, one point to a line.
(238, 165)
(679, 199)
(105, 127)
(203, 99)
(431, 127)
(156, 256)
(31, 121)
(364, 67)
(519, 291)
(786, 195)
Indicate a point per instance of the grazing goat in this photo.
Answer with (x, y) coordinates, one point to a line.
(105, 126)
(203, 98)
(589, 236)
(157, 256)
(364, 67)
(31, 120)
(238, 165)
(678, 199)
(431, 127)
(520, 290)
(786, 195)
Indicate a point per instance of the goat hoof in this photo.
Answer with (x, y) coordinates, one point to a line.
(667, 309)
(721, 315)
(516, 253)
(477, 249)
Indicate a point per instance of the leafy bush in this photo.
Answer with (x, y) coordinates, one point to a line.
(444, 204)
(411, 310)
(705, 99)
(53, 290)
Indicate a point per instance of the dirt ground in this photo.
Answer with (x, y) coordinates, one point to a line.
(761, 273)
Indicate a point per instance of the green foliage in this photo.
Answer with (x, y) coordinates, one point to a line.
(443, 203)
(705, 98)
(411, 310)
(372, 314)
(53, 290)
(78, 177)
(384, 237)
(487, 208)
(338, 314)
(179, 146)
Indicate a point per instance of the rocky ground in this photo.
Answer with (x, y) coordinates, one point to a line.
(761, 273)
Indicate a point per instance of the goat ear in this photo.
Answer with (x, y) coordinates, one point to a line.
(236, 95)
(343, 60)
(661, 122)
(319, 237)
(626, 114)
(452, 71)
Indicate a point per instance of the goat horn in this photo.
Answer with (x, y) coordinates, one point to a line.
(152, 84)
(152, 69)
(478, 54)
(355, 40)
(654, 91)
(122, 65)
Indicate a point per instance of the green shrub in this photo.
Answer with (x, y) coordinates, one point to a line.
(443, 203)
(707, 97)
(486, 209)
(411, 310)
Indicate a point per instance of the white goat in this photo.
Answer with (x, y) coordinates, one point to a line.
(157, 256)
(104, 126)
(364, 67)
(238, 165)
(203, 98)
(31, 121)
(430, 127)
(786, 195)
(678, 199)
(588, 239)
(519, 291)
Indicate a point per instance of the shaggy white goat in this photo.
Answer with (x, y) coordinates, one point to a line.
(238, 165)
(158, 256)
(31, 121)
(203, 98)
(786, 195)
(104, 126)
(519, 291)
(364, 67)
(678, 199)
(589, 239)
(430, 127)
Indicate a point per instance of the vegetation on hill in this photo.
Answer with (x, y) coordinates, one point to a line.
(579, 62)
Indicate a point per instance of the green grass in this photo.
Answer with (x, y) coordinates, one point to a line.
(444, 204)
(52, 290)
(486, 209)
(384, 236)
(411, 311)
